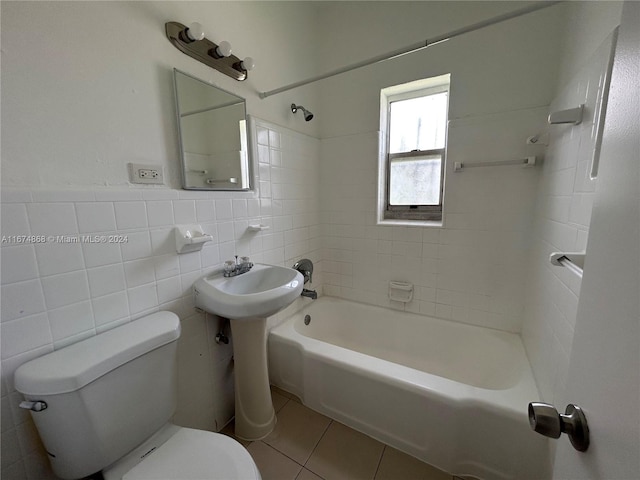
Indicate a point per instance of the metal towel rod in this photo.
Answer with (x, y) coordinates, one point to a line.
(526, 162)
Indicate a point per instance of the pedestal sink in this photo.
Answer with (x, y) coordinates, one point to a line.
(247, 300)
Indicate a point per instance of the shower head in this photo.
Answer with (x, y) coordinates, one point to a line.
(307, 114)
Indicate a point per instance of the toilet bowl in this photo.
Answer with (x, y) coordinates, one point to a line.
(104, 405)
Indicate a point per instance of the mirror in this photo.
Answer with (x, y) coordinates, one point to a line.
(212, 127)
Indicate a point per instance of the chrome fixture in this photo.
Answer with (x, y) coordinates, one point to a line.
(546, 420)
(312, 294)
(234, 268)
(222, 338)
(36, 406)
(307, 114)
(305, 267)
(191, 40)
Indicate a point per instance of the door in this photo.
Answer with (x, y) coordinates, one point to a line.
(604, 369)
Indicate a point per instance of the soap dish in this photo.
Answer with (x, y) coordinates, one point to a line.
(190, 238)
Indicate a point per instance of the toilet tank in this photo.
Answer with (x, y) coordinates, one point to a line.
(105, 395)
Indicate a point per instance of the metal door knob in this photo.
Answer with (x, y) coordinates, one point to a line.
(546, 420)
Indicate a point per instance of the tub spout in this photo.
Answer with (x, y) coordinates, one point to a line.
(312, 294)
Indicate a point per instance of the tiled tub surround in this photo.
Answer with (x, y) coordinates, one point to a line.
(469, 270)
(54, 294)
(451, 395)
(561, 224)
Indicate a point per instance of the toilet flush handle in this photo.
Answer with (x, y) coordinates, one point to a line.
(36, 406)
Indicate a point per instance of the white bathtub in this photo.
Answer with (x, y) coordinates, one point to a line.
(452, 395)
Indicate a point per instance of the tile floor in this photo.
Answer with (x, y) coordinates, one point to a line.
(306, 445)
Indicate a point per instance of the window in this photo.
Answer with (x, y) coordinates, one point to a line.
(414, 125)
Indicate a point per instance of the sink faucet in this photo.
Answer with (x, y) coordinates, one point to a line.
(305, 267)
(233, 269)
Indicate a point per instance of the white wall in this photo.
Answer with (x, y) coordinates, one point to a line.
(502, 79)
(565, 197)
(88, 86)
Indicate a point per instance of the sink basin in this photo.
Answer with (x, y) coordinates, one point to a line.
(263, 291)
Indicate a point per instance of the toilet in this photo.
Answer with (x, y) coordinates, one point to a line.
(104, 404)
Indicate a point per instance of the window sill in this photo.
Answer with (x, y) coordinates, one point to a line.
(410, 223)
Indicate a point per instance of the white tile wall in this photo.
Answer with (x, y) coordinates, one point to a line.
(54, 294)
(562, 219)
(470, 270)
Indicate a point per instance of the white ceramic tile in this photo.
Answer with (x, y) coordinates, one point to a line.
(184, 212)
(160, 213)
(186, 281)
(239, 208)
(117, 195)
(14, 220)
(142, 298)
(18, 263)
(166, 266)
(97, 254)
(106, 279)
(52, 218)
(71, 320)
(139, 272)
(160, 194)
(262, 134)
(225, 232)
(59, 257)
(25, 334)
(169, 290)
(65, 289)
(163, 241)
(210, 256)
(223, 209)
(95, 217)
(205, 211)
(189, 262)
(110, 308)
(138, 246)
(22, 299)
(130, 215)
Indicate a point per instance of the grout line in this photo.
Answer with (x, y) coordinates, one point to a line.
(380, 460)
(318, 442)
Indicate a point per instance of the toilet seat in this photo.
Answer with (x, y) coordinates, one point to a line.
(196, 455)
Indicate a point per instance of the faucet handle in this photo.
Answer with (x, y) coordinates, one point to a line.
(229, 266)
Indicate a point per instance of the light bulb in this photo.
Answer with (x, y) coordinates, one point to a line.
(223, 49)
(195, 32)
(247, 64)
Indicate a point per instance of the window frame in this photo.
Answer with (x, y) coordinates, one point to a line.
(412, 213)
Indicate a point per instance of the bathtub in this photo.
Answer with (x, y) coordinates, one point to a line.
(452, 395)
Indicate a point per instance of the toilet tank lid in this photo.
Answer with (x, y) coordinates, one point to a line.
(73, 367)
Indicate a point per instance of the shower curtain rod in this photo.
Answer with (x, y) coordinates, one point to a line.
(416, 46)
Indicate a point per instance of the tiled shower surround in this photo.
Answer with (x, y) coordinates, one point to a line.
(58, 292)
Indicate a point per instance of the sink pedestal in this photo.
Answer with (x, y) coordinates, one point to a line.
(255, 416)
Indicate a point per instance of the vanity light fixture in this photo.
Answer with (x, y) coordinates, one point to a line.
(192, 41)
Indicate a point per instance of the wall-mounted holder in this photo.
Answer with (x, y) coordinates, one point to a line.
(571, 115)
(400, 291)
(574, 261)
(257, 227)
(525, 162)
(191, 41)
(190, 238)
